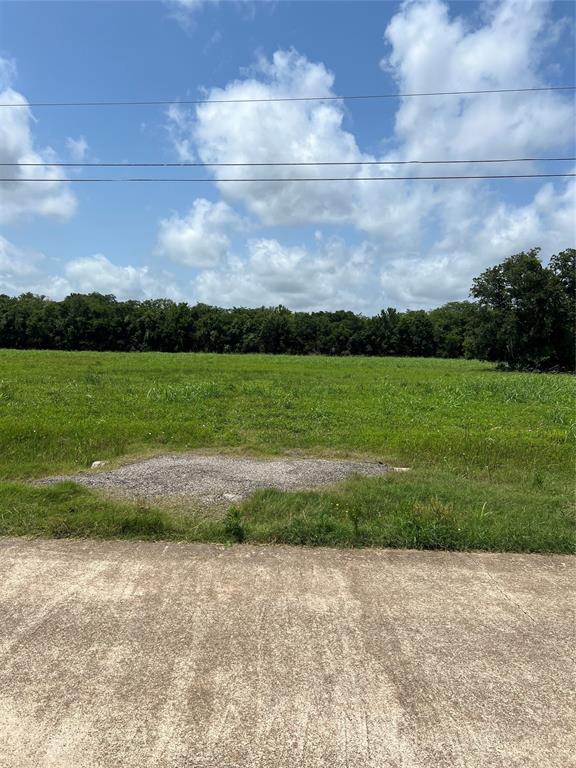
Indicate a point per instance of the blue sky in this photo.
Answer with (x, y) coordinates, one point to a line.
(363, 245)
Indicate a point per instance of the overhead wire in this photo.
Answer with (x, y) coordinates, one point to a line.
(286, 164)
(286, 180)
(272, 99)
(160, 164)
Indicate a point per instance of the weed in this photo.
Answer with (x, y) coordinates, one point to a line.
(355, 517)
(145, 525)
(233, 525)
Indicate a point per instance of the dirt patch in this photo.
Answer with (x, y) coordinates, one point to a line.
(213, 479)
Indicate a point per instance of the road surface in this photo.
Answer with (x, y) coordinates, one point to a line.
(194, 656)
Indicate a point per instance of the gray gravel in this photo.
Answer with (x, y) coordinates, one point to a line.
(213, 479)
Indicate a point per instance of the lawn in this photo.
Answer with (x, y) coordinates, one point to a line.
(491, 454)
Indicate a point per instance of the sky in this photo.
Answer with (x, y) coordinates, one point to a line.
(359, 245)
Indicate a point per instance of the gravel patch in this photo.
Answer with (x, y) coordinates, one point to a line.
(212, 479)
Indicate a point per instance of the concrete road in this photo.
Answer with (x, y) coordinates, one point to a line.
(184, 656)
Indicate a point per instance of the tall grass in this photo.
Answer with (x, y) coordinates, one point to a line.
(491, 453)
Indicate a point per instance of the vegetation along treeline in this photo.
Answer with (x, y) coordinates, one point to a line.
(523, 315)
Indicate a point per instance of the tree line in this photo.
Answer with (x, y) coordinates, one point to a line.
(522, 315)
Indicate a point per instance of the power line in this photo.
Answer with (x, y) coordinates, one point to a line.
(291, 164)
(346, 97)
(345, 178)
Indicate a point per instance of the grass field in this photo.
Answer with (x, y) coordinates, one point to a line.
(491, 454)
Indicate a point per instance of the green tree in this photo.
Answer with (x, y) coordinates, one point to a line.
(452, 324)
(523, 311)
(416, 334)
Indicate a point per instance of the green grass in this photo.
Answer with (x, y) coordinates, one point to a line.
(491, 453)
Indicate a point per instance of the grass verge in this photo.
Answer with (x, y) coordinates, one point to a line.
(416, 512)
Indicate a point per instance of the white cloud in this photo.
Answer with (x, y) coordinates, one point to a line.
(272, 132)
(332, 276)
(504, 50)
(430, 51)
(428, 239)
(198, 239)
(98, 274)
(23, 271)
(78, 148)
(184, 11)
(7, 72)
(18, 268)
(191, 4)
(548, 221)
(445, 271)
(427, 281)
(178, 133)
(47, 198)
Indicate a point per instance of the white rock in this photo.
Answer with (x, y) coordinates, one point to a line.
(96, 464)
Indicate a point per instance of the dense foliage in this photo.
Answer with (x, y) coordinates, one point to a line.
(527, 312)
(523, 316)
